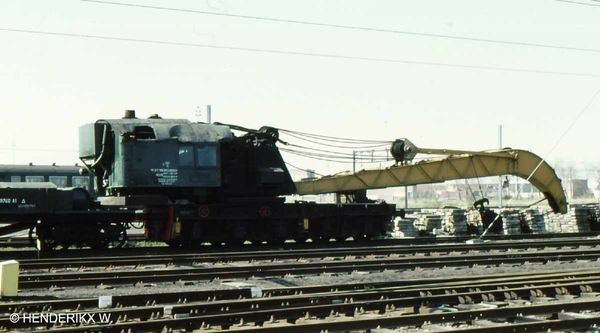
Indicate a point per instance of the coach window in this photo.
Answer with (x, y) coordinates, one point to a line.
(207, 156)
(81, 181)
(60, 181)
(186, 156)
(34, 179)
(15, 179)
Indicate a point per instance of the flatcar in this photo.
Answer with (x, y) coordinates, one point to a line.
(63, 176)
(39, 193)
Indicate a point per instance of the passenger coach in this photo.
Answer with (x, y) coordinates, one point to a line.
(60, 175)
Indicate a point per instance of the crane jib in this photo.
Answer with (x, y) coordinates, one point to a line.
(519, 163)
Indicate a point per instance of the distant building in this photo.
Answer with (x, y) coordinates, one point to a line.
(577, 188)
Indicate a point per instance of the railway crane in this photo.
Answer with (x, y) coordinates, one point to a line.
(191, 183)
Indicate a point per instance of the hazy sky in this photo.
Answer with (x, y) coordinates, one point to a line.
(433, 90)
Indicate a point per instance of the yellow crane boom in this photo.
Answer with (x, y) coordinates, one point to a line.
(458, 165)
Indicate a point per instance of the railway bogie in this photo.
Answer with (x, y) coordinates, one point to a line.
(95, 234)
(59, 217)
(274, 223)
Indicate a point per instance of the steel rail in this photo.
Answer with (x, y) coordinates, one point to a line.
(192, 258)
(228, 318)
(162, 250)
(462, 283)
(28, 281)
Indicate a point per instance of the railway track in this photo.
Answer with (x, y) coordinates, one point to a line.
(290, 253)
(340, 261)
(509, 300)
(500, 303)
(227, 273)
(26, 250)
(588, 277)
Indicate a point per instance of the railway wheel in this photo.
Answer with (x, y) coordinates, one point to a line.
(66, 245)
(44, 235)
(44, 245)
(256, 241)
(238, 235)
(359, 238)
(32, 240)
(99, 245)
(236, 242)
(122, 238)
(322, 239)
(277, 241)
(108, 235)
(173, 244)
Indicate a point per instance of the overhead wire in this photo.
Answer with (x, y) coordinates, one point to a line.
(315, 158)
(334, 138)
(333, 156)
(317, 149)
(308, 54)
(305, 170)
(471, 190)
(347, 150)
(327, 151)
(341, 26)
(476, 176)
(578, 3)
(335, 145)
